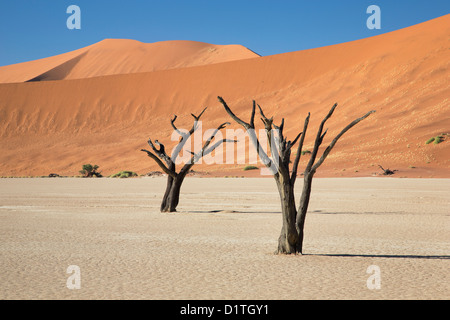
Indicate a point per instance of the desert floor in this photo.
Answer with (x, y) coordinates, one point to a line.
(221, 243)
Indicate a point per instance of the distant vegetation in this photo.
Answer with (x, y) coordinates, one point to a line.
(438, 139)
(250, 168)
(124, 174)
(89, 171)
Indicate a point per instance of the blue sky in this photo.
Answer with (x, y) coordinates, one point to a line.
(34, 29)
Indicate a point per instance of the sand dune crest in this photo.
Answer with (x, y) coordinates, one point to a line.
(121, 56)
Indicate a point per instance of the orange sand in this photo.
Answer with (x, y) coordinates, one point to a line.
(102, 116)
(120, 56)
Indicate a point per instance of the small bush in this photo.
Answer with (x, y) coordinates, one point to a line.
(124, 174)
(305, 152)
(250, 168)
(90, 170)
(436, 140)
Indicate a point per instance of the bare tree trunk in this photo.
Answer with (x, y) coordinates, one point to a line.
(303, 208)
(287, 242)
(172, 194)
(165, 200)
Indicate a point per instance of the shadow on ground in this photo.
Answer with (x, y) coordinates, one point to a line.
(406, 256)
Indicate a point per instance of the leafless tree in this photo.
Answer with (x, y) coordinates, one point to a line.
(291, 237)
(168, 164)
(387, 172)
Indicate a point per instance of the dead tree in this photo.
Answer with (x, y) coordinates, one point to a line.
(387, 172)
(291, 237)
(174, 178)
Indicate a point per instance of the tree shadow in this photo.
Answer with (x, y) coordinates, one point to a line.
(406, 256)
(229, 211)
(357, 213)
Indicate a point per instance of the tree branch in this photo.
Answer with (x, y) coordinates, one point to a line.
(271, 139)
(319, 139)
(197, 118)
(252, 117)
(184, 136)
(205, 151)
(299, 150)
(214, 146)
(267, 122)
(235, 118)
(333, 143)
(250, 128)
(160, 164)
(172, 122)
(161, 152)
(223, 125)
(290, 144)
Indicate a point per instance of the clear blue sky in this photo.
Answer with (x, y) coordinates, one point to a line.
(34, 29)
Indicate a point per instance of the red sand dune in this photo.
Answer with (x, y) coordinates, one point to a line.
(56, 126)
(120, 56)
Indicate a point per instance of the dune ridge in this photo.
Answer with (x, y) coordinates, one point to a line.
(59, 125)
(122, 56)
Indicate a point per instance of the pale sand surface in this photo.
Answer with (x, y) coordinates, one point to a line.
(220, 244)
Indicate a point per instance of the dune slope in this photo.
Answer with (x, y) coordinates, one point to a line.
(56, 126)
(121, 56)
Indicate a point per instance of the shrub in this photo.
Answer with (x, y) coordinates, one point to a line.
(124, 174)
(90, 170)
(437, 140)
(305, 152)
(250, 168)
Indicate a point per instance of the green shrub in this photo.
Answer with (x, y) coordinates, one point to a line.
(90, 170)
(436, 140)
(305, 152)
(250, 168)
(124, 174)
